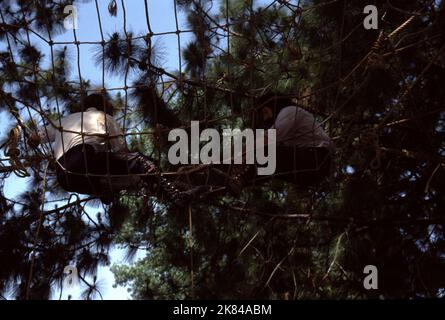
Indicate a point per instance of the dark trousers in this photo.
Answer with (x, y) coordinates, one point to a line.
(303, 166)
(84, 170)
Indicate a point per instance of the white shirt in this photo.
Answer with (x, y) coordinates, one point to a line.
(298, 127)
(87, 127)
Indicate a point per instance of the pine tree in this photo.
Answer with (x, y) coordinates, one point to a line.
(377, 90)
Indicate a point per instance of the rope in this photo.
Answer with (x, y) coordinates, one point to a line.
(402, 27)
(203, 82)
(375, 56)
(13, 152)
(214, 27)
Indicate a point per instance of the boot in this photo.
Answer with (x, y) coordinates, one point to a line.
(169, 191)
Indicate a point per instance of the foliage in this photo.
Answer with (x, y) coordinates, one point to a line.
(381, 101)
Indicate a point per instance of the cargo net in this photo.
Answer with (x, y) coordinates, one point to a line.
(227, 57)
(233, 60)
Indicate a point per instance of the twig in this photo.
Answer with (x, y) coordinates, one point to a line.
(337, 246)
(278, 266)
(427, 186)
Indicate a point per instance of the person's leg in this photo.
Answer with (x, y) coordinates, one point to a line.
(120, 171)
(73, 168)
(83, 170)
(303, 166)
(324, 162)
(130, 170)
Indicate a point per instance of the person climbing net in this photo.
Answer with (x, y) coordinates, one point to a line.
(92, 157)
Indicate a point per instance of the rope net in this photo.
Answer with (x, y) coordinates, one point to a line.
(228, 55)
(164, 99)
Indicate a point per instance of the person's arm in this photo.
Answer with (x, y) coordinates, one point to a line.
(117, 140)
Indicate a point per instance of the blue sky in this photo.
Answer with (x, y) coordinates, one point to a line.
(162, 19)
